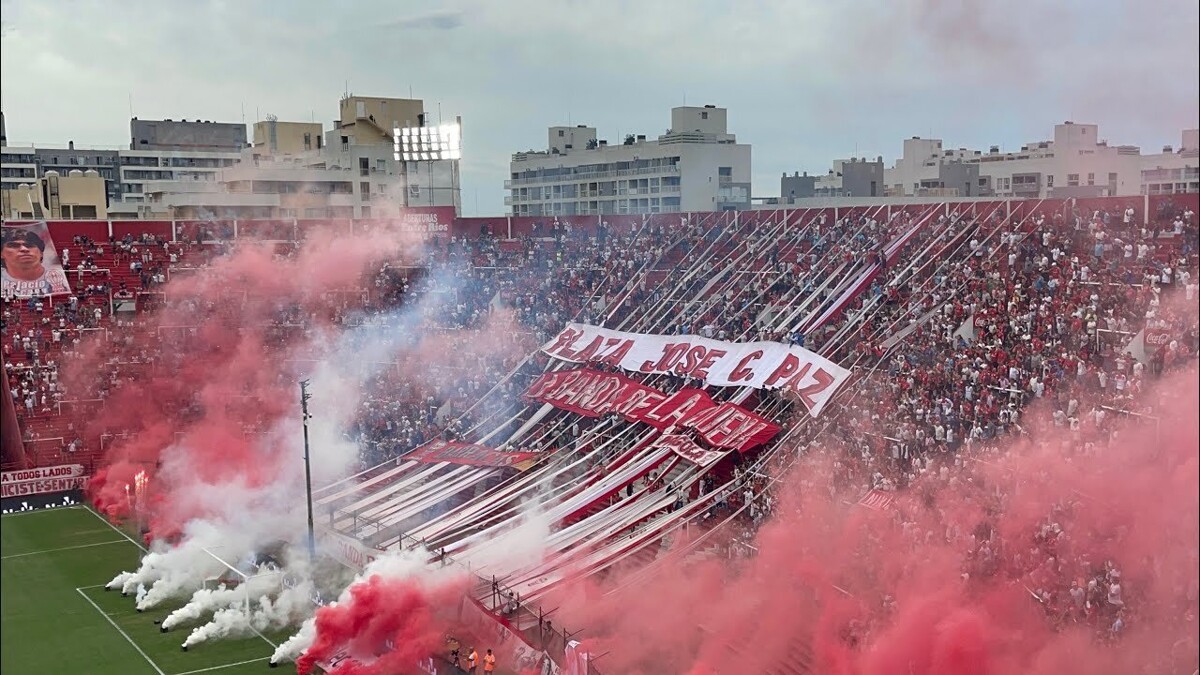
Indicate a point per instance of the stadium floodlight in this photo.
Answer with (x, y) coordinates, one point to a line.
(411, 144)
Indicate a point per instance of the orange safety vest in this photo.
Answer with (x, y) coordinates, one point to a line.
(489, 663)
(473, 658)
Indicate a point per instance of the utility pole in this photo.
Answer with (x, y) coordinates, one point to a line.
(312, 541)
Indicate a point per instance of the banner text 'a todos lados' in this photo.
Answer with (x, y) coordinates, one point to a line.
(42, 480)
(594, 394)
(763, 365)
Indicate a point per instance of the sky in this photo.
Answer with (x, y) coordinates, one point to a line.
(804, 82)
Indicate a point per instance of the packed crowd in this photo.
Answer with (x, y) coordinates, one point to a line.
(1046, 316)
(1020, 313)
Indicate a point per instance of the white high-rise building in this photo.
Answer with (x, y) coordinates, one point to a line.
(697, 165)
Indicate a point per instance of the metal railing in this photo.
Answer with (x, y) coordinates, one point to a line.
(527, 621)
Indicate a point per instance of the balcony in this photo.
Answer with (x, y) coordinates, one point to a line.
(227, 199)
(589, 175)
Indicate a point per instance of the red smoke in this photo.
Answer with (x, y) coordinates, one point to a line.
(210, 369)
(812, 599)
(386, 626)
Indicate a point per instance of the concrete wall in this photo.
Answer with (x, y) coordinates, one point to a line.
(960, 176)
(700, 179)
(287, 138)
(703, 119)
(569, 139)
(65, 197)
(1191, 140)
(863, 179)
(796, 187)
(183, 135)
(366, 120)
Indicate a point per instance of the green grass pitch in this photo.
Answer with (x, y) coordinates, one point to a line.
(56, 617)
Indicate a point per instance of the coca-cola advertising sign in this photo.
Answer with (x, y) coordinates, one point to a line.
(1155, 338)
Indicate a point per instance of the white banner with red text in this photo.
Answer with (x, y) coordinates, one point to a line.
(42, 480)
(593, 393)
(763, 365)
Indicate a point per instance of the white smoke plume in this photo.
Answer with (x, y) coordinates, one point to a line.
(183, 569)
(205, 600)
(291, 648)
(237, 620)
(395, 565)
(347, 360)
(119, 581)
(148, 571)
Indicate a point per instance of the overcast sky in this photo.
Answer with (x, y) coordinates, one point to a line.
(804, 82)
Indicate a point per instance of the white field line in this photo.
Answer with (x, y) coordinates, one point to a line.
(117, 529)
(121, 631)
(227, 665)
(65, 548)
(36, 511)
(135, 543)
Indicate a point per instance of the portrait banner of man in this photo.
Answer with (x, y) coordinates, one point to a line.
(31, 266)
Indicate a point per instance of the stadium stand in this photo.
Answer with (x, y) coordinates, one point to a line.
(954, 319)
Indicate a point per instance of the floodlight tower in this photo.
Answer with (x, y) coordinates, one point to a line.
(430, 144)
(312, 540)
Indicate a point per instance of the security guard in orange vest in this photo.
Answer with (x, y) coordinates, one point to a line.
(472, 661)
(489, 662)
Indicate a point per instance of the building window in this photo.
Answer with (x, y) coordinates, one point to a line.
(1091, 179)
(1050, 180)
(1073, 180)
(561, 133)
(703, 115)
(364, 166)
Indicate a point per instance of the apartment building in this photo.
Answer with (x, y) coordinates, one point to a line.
(182, 169)
(360, 181)
(697, 165)
(202, 135)
(1074, 163)
(76, 194)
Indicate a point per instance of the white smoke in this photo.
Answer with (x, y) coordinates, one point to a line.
(183, 569)
(208, 600)
(262, 614)
(119, 581)
(241, 515)
(148, 571)
(293, 647)
(228, 529)
(411, 563)
(507, 551)
(203, 601)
